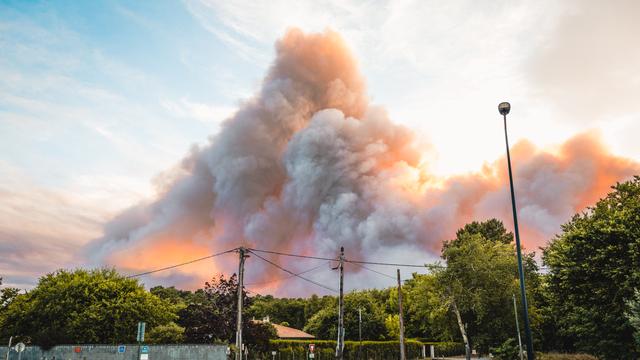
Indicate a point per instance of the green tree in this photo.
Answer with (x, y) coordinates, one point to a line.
(324, 324)
(7, 295)
(211, 316)
(479, 280)
(170, 333)
(424, 315)
(315, 303)
(593, 273)
(173, 295)
(81, 306)
(509, 350)
(291, 311)
(392, 325)
(633, 314)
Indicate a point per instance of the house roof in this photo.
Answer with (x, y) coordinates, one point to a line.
(285, 332)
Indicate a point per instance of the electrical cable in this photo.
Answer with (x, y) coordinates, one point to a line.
(346, 260)
(355, 262)
(292, 273)
(385, 264)
(292, 255)
(290, 276)
(375, 271)
(181, 264)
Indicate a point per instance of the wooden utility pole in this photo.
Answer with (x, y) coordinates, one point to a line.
(242, 252)
(403, 356)
(340, 344)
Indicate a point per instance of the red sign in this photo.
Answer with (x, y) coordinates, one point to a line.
(77, 349)
(312, 347)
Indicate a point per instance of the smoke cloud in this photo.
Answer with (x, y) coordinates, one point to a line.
(308, 165)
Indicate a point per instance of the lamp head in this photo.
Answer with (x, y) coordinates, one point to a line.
(504, 108)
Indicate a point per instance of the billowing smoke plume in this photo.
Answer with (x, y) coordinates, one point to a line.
(308, 166)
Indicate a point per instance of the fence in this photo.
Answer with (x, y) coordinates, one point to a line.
(119, 352)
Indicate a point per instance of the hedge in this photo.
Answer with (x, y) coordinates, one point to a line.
(374, 350)
(557, 356)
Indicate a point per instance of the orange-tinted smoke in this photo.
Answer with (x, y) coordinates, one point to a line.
(550, 187)
(308, 166)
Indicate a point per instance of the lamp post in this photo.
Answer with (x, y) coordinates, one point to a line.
(504, 109)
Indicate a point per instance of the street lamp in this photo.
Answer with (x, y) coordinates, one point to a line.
(504, 109)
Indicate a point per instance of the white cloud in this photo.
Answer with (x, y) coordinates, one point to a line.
(208, 114)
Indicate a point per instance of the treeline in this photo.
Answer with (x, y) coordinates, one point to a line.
(586, 299)
(103, 307)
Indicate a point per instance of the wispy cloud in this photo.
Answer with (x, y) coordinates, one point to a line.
(208, 114)
(82, 136)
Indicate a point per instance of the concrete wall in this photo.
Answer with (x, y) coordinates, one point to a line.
(110, 352)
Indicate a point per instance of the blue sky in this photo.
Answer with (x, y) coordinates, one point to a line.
(99, 97)
(110, 80)
(96, 98)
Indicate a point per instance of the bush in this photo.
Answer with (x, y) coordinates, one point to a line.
(507, 351)
(376, 350)
(556, 356)
(171, 333)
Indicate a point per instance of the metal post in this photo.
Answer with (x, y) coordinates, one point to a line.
(402, 350)
(523, 293)
(239, 343)
(9, 347)
(340, 344)
(515, 312)
(359, 332)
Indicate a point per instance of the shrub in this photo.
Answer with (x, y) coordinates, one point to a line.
(376, 350)
(171, 333)
(556, 356)
(507, 351)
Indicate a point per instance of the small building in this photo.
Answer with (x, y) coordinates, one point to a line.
(287, 333)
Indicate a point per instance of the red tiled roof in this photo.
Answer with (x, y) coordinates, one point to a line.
(285, 332)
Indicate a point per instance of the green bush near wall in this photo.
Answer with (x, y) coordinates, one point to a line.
(555, 356)
(375, 350)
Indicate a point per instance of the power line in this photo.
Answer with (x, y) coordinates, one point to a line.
(385, 264)
(292, 273)
(292, 255)
(375, 271)
(355, 262)
(333, 259)
(251, 291)
(181, 264)
(289, 277)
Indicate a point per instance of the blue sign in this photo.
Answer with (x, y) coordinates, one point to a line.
(144, 349)
(122, 349)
